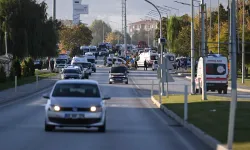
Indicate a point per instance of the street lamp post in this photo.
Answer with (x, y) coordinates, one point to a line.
(54, 10)
(125, 27)
(233, 75)
(203, 44)
(192, 50)
(162, 47)
(218, 26)
(243, 43)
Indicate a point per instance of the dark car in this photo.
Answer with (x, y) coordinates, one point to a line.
(71, 73)
(38, 64)
(118, 74)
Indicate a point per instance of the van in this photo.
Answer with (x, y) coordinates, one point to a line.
(216, 73)
(82, 61)
(91, 59)
(149, 57)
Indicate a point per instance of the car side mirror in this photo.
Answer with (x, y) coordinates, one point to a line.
(46, 96)
(106, 98)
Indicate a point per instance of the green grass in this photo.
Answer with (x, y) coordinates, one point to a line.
(247, 82)
(215, 123)
(25, 80)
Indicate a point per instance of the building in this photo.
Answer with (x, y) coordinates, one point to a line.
(147, 25)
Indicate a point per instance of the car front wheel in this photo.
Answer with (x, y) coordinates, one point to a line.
(102, 128)
(48, 128)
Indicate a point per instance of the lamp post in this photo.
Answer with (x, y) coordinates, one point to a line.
(162, 47)
(233, 75)
(243, 43)
(54, 10)
(203, 47)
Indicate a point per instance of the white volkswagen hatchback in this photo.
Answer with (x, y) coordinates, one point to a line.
(75, 103)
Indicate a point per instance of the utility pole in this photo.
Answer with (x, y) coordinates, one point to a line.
(103, 34)
(243, 43)
(230, 137)
(54, 10)
(192, 50)
(210, 30)
(218, 26)
(203, 48)
(123, 18)
(125, 27)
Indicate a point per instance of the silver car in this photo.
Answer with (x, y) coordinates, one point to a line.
(75, 103)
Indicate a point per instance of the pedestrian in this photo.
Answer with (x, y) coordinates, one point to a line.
(145, 65)
(135, 64)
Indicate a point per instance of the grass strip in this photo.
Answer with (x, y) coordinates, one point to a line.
(212, 116)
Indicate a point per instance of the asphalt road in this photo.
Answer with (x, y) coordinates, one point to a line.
(144, 79)
(133, 123)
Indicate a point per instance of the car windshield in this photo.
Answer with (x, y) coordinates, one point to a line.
(84, 65)
(70, 71)
(61, 61)
(76, 90)
(86, 50)
(118, 70)
(91, 60)
(216, 69)
(154, 57)
(92, 50)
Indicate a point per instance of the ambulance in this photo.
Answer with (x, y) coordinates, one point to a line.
(83, 62)
(216, 73)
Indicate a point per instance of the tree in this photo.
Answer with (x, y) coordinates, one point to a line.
(76, 36)
(173, 31)
(29, 34)
(98, 27)
(112, 38)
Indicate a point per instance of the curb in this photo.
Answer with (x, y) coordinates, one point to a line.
(207, 139)
(229, 88)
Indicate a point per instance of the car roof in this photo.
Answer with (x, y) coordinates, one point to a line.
(78, 81)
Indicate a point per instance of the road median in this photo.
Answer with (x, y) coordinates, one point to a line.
(208, 120)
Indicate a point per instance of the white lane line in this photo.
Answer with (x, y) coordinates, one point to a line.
(183, 140)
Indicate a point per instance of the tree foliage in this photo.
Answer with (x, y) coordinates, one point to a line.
(98, 27)
(112, 38)
(76, 36)
(30, 32)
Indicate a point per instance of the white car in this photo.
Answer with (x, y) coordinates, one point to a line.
(75, 103)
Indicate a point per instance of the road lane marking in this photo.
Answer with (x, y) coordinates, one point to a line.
(183, 140)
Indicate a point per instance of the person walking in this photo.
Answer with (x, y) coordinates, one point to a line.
(145, 65)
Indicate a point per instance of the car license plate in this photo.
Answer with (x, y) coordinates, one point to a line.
(74, 116)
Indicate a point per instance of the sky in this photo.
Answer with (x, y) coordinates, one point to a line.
(110, 10)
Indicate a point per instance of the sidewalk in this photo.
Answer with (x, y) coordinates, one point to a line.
(26, 89)
(240, 88)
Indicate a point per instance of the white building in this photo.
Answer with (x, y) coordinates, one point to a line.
(147, 25)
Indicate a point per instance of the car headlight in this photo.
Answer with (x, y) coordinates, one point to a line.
(95, 109)
(55, 108)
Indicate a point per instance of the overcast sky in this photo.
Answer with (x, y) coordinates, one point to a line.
(110, 10)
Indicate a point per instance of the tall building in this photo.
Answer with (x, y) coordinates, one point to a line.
(147, 25)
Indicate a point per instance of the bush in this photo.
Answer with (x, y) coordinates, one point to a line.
(15, 69)
(2, 75)
(25, 68)
(31, 66)
(28, 68)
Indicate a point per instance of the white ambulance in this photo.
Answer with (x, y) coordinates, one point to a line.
(216, 73)
(83, 62)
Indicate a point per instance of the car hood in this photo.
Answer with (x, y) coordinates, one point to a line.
(76, 102)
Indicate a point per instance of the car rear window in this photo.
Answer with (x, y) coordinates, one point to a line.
(216, 69)
(76, 90)
(71, 71)
(118, 70)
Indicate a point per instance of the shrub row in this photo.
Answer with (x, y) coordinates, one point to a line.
(24, 68)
